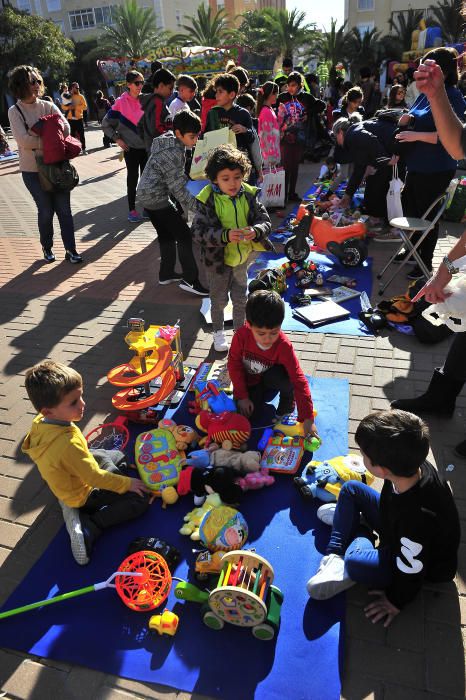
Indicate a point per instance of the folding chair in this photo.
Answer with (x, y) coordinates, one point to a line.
(407, 226)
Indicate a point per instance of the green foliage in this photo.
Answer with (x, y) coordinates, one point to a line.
(363, 49)
(134, 32)
(254, 32)
(333, 47)
(204, 29)
(401, 28)
(288, 30)
(448, 16)
(31, 40)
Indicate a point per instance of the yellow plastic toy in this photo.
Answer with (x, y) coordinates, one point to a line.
(165, 623)
(193, 519)
(324, 480)
(151, 375)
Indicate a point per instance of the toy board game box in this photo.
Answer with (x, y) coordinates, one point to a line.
(283, 454)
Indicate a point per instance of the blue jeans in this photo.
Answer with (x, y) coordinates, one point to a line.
(48, 204)
(364, 563)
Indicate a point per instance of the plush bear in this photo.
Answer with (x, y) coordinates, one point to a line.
(243, 462)
(184, 435)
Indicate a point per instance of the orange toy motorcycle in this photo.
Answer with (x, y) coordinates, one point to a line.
(345, 242)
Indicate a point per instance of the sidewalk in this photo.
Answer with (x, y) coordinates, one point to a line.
(77, 315)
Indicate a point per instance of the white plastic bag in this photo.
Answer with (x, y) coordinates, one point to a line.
(394, 206)
(273, 187)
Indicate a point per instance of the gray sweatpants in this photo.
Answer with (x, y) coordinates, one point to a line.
(235, 281)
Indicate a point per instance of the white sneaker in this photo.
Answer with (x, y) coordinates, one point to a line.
(220, 342)
(74, 528)
(330, 579)
(326, 513)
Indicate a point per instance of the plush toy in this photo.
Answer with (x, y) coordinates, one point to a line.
(324, 480)
(193, 519)
(202, 482)
(229, 430)
(184, 435)
(242, 462)
(256, 480)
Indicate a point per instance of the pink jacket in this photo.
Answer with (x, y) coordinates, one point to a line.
(269, 136)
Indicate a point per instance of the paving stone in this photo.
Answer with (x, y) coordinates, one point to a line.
(34, 681)
(384, 663)
(444, 659)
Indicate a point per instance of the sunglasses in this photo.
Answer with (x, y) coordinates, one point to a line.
(35, 81)
(138, 82)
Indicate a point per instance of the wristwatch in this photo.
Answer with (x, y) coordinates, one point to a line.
(449, 265)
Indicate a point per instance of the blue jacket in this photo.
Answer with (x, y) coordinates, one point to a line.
(421, 157)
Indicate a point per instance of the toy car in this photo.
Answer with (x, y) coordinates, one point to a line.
(164, 623)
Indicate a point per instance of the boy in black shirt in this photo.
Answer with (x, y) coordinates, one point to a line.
(415, 517)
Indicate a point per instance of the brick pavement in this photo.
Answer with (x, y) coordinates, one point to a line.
(78, 314)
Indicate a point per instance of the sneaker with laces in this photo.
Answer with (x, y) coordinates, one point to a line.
(135, 217)
(390, 236)
(48, 255)
(73, 257)
(194, 288)
(171, 279)
(75, 531)
(330, 579)
(220, 341)
(326, 513)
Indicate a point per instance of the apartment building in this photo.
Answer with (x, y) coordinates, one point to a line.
(82, 19)
(370, 14)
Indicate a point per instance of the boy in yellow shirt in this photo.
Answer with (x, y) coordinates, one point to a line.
(92, 497)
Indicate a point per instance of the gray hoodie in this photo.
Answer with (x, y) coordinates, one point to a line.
(164, 175)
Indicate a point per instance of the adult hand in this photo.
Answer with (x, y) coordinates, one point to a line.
(406, 136)
(434, 290)
(404, 120)
(245, 407)
(429, 78)
(123, 145)
(310, 429)
(139, 487)
(381, 608)
(238, 129)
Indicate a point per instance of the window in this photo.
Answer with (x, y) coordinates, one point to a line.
(104, 15)
(82, 19)
(53, 5)
(158, 10)
(60, 24)
(24, 5)
(178, 18)
(365, 27)
(365, 5)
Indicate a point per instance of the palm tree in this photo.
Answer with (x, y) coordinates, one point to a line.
(134, 32)
(205, 29)
(448, 16)
(403, 25)
(333, 48)
(254, 32)
(363, 49)
(288, 30)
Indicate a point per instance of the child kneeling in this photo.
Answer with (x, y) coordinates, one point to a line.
(92, 497)
(415, 517)
(230, 224)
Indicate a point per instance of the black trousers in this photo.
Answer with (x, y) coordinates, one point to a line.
(292, 154)
(455, 364)
(274, 380)
(420, 190)
(174, 234)
(104, 509)
(77, 130)
(375, 194)
(135, 159)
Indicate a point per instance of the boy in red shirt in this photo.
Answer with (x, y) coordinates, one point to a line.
(262, 358)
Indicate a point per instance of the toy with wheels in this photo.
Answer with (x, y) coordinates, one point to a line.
(164, 623)
(152, 374)
(244, 595)
(273, 279)
(324, 480)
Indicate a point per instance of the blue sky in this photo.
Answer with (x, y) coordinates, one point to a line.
(321, 11)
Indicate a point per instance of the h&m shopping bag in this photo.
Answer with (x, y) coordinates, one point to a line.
(394, 206)
(211, 140)
(273, 187)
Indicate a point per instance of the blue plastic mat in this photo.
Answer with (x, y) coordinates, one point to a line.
(98, 631)
(329, 266)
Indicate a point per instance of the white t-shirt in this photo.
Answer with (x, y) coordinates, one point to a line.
(176, 106)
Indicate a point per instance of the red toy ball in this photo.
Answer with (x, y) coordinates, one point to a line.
(151, 589)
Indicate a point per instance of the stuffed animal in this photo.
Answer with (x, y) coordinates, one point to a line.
(256, 480)
(242, 462)
(324, 480)
(193, 519)
(227, 429)
(184, 435)
(202, 482)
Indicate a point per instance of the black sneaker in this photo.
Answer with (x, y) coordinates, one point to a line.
(416, 273)
(194, 288)
(170, 279)
(402, 256)
(48, 255)
(73, 257)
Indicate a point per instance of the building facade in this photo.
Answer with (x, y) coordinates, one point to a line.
(82, 19)
(370, 14)
(233, 8)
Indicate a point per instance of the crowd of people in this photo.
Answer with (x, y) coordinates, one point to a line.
(274, 123)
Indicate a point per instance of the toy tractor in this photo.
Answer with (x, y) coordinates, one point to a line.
(345, 242)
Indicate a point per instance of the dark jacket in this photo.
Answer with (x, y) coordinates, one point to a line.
(153, 123)
(218, 117)
(210, 232)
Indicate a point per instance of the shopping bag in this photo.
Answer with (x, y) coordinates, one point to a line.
(211, 140)
(273, 187)
(456, 201)
(394, 206)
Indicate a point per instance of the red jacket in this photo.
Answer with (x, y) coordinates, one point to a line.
(247, 362)
(56, 147)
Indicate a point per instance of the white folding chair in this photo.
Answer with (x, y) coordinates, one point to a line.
(408, 226)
